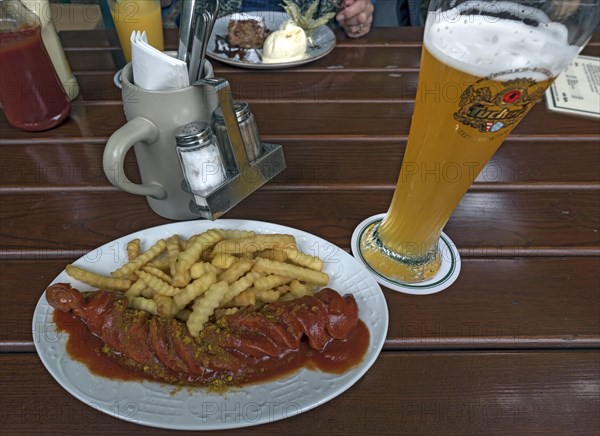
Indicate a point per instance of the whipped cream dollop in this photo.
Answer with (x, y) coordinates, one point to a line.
(285, 45)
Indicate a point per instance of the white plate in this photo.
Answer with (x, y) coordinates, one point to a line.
(323, 38)
(159, 405)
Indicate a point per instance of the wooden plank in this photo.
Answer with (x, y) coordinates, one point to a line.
(526, 222)
(354, 58)
(409, 393)
(291, 87)
(95, 60)
(343, 58)
(100, 38)
(90, 39)
(80, 45)
(277, 121)
(504, 303)
(387, 36)
(57, 166)
(522, 303)
(317, 165)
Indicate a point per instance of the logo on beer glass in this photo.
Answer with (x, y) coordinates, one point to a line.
(490, 105)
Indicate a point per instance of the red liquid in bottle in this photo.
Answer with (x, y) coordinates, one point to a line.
(30, 91)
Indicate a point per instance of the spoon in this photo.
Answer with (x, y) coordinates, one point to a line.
(188, 14)
(204, 25)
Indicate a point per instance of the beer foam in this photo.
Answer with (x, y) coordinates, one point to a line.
(485, 45)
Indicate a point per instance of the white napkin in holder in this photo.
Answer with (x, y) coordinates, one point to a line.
(154, 70)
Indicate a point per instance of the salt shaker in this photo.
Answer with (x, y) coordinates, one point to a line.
(200, 159)
(248, 129)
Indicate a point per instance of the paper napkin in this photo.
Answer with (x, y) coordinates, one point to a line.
(154, 70)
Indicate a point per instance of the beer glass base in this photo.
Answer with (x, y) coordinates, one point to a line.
(447, 273)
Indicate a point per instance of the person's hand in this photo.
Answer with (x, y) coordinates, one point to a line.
(355, 17)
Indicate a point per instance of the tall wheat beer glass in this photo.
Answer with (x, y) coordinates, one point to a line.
(484, 65)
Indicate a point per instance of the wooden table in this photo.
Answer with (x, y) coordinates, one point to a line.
(511, 347)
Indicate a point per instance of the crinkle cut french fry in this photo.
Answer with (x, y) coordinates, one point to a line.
(141, 260)
(284, 293)
(236, 271)
(284, 289)
(97, 280)
(173, 249)
(246, 298)
(136, 289)
(287, 270)
(219, 313)
(298, 289)
(223, 260)
(164, 305)
(161, 263)
(268, 296)
(182, 280)
(303, 259)
(277, 255)
(133, 249)
(147, 293)
(192, 253)
(157, 273)
(271, 281)
(236, 234)
(204, 306)
(200, 268)
(145, 304)
(197, 270)
(239, 286)
(159, 286)
(287, 297)
(253, 244)
(194, 289)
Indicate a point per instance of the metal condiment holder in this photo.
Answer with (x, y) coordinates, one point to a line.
(244, 176)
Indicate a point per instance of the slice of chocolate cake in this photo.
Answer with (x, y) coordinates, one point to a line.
(246, 31)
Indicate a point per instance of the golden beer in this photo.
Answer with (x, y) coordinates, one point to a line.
(459, 121)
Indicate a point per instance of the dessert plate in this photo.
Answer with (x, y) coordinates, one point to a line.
(219, 49)
(164, 406)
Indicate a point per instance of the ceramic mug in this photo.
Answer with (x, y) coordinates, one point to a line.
(152, 118)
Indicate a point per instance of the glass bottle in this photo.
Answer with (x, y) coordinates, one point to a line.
(54, 46)
(31, 93)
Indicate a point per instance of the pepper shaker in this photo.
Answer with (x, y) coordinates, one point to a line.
(200, 159)
(248, 130)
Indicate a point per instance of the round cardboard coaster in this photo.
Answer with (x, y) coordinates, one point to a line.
(448, 273)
